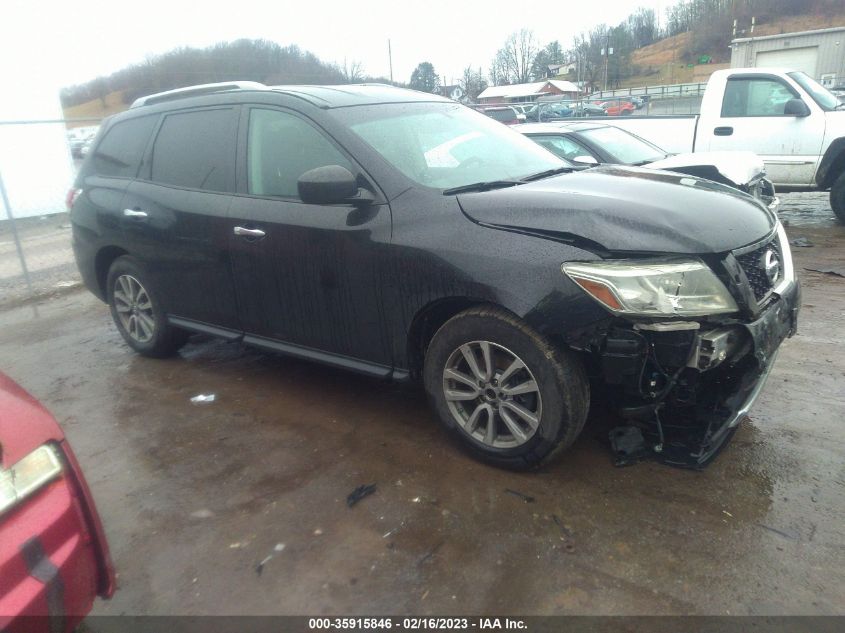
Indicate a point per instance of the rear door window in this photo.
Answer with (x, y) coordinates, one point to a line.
(196, 150)
(119, 153)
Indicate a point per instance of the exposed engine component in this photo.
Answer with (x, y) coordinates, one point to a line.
(714, 347)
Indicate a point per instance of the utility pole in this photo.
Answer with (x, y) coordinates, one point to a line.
(607, 53)
(390, 60)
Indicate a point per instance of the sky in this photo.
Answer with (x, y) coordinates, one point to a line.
(67, 42)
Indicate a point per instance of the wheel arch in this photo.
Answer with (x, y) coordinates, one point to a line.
(832, 164)
(102, 262)
(429, 319)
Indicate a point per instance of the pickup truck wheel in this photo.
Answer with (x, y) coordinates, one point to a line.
(137, 311)
(837, 197)
(507, 394)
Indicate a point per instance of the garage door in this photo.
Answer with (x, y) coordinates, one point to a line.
(791, 59)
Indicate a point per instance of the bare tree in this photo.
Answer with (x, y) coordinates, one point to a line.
(642, 25)
(514, 61)
(552, 53)
(499, 75)
(472, 82)
(587, 50)
(352, 72)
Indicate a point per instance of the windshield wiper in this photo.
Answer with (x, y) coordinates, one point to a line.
(549, 172)
(486, 185)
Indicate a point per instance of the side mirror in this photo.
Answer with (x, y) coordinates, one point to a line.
(796, 107)
(585, 160)
(331, 184)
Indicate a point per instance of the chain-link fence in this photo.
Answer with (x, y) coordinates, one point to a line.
(38, 161)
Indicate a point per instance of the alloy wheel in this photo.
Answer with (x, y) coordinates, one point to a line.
(134, 308)
(492, 394)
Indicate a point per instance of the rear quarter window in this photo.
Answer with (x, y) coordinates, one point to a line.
(119, 153)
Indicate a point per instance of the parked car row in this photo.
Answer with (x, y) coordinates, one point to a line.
(546, 111)
(80, 139)
(558, 111)
(617, 108)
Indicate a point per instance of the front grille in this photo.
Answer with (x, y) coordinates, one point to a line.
(754, 265)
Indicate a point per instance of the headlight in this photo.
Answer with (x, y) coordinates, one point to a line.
(683, 287)
(788, 275)
(28, 475)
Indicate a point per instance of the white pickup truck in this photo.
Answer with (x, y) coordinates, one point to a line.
(793, 123)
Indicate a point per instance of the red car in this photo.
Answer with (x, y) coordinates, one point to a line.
(618, 108)
(54, 559)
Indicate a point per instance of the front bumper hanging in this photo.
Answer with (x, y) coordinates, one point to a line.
(685, 387)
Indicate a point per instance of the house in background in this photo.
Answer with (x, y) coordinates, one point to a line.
(559, 70)
(526, 93)
(453, 92)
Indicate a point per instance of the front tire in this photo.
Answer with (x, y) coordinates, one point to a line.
(505, 392)
(138, 312)
(837, 197)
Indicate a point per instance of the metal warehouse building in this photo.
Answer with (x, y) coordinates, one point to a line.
(820, 54)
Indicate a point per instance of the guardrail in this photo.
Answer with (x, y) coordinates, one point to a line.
(655, 92)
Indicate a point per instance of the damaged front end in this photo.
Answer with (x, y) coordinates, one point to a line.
(739, 169)
(691, 345)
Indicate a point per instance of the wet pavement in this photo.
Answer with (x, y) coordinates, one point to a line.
(194, 496)
(811, 208)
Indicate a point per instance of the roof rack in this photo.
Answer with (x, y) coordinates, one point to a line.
(196, 91)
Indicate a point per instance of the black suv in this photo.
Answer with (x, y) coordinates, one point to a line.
(403, 235)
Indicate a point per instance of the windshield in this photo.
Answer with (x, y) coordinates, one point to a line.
(821, 95)
(446, 145)
(626, 147)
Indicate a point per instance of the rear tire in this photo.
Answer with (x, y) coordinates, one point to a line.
(138, 312)
(519, 430)
(837, 197)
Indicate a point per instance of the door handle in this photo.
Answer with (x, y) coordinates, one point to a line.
(245, 232)
(723, 131)
(134, 213)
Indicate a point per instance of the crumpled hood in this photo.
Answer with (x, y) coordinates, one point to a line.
(626, 209)
(740, 167)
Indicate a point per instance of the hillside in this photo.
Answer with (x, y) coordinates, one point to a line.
(96, 109)
(663, 61)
